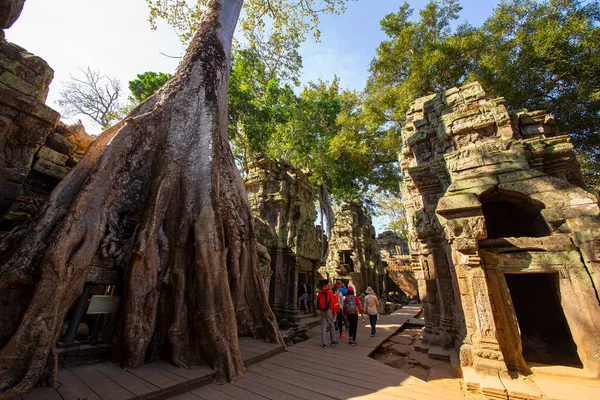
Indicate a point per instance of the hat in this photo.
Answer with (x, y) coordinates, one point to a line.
(350, 289)
(369, 290)
(335, 286)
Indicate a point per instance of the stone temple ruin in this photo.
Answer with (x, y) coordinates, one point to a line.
(391, 245)
(353, 251)
(504, 239)
(283, 202)
(400, 277)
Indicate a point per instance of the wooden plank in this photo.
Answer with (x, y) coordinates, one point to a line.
(358, 383)
(186, 396)
(257, 388)
(360, 368)
(359, 363)
(100, 384)
(254, 350)
(317, 371)
(352, 388)
(193, 373)
(401, 382)
(41, 393)
(247, 350)
(155, 378)
(129, 381)
(298, 391)
(210, 393)
(258, 343)
(237, 392)
(369, 364)
(71, 387)
(160, 368)
(316, 384)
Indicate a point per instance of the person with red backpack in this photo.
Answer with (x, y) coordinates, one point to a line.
(339, 314)
(351, 309)
(326, 305)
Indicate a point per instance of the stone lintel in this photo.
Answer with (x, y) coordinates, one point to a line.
(457, 203)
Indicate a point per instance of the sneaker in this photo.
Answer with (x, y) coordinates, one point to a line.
(350, 341)
(372, 335)
(334, 343)
(342, 336)
(324, 346)
(354, 343)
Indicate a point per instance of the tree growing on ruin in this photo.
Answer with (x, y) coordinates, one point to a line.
(94, 95)
(159, 193)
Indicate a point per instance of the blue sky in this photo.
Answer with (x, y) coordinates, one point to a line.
(115, 37)
(348, 42)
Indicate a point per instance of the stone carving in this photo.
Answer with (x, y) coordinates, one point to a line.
(501, 234)
(283, 202)
(353, 252)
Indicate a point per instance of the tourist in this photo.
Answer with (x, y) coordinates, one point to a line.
(339, 316)
(344, 292)
(371, 304)
(303, 296)
(351, 309)
(342, 287)
(325, 304)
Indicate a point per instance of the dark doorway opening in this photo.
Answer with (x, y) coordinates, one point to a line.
(545, 333)
(509, 214)
(345, 258)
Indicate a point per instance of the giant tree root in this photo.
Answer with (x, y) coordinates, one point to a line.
(160, 193)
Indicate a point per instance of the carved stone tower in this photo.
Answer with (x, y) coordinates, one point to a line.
(283, 202)
(505, 241)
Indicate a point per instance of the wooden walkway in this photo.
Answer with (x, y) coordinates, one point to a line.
(157, 380)
(307, 371)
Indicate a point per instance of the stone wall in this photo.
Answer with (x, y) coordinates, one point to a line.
(283, 202)
(401, 276)
(60, 152)
(493, 194)
(390, 245)
(353, 252)
(25, 121)
(396, 261)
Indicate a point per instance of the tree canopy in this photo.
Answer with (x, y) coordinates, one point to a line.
(536, 54)
(286, 19)
(146, 84)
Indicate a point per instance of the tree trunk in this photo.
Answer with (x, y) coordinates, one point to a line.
(160, 193)
(327, 208)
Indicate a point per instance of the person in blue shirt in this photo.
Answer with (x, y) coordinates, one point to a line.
(342, 288)
(344, 291)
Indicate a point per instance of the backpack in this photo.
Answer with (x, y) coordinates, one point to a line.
(322, 301)
(351, 306)
(335, 303)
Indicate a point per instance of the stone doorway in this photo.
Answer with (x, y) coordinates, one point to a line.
(545, 334)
